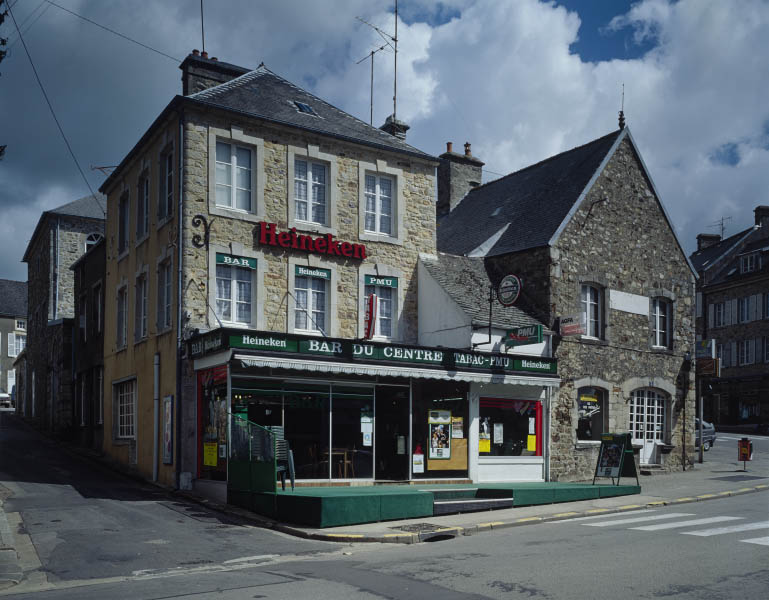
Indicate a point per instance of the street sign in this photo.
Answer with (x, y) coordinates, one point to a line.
(520, 336)
(572, 325)
(709, 366)
(745, 451)
(508, 290)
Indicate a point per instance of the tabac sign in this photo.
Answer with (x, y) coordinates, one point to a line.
(267, 234)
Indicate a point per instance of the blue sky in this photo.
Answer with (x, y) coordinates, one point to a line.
(521, 80)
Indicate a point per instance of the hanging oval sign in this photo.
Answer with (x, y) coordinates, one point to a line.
(508, 290)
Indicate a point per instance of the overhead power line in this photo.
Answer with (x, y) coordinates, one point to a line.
(117, 33)
(50, 106)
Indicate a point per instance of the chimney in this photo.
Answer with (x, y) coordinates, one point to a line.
(395, 127)
(200, 72)
(457, 175)
(705, 240)
(762, 219)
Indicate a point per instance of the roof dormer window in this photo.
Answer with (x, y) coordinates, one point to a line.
(750, 262)
(305, 108)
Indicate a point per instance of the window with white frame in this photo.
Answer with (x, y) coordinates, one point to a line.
(379, 204)
(233, 176)
(386, 291)
(16, 343)
(125, 408)
(166, 182)
(749, 262)
(746, 352)
(743, 309)
(143, 207)
(21, 324)
(140, 314)
(592, 307)
(234, 288)
(311, 298)
(123, 222)
(310, 191)
(165, 280)
(122, 316)
(592, 410)
(662, 319)
(718, 314)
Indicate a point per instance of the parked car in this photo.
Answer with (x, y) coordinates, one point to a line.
(708, 434)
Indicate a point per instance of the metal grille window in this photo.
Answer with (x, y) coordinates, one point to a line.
(125, 396)
(310, 191)
(310, 295)
(233, 294)
(592, 306)
(122, 315)
(233, 176)
(647, 415)
(662, 317)
(379, 204)
(140, 327)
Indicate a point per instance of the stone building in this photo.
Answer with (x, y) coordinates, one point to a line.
(62, 235)
(600, 266)
(733, 311)
(13, 335)
(262, 249)
(88, 347)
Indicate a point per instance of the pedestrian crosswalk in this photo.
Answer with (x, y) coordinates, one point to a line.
(653, 520)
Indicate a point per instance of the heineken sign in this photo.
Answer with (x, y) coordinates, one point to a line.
(520, 336)
(368, 352)
(312, 272)
(267, 234)
(508, 290)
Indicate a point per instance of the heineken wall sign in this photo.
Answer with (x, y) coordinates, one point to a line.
(370, 352)
(520, 336)
(267, 234)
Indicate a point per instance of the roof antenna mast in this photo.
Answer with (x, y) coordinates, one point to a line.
(621, 110)
(202, 29)
(394, 46)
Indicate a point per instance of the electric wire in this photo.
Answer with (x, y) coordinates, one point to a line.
(53, 113)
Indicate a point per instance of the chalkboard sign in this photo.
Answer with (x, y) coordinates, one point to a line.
(615, 458)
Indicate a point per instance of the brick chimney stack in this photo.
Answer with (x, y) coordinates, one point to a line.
(395, 127)
(200, 72)
(705, 240)
(457, 175)
(762, 219)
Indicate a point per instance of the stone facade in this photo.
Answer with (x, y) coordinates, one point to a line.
(620, 241)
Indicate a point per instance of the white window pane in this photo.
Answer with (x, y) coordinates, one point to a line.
(223, 289)
(223, 173)
(223, 152)
(386, 206)
(223, 195)
(385, 225)
(320, 322)
(301, 299)
(243, 274)
(243, 157)
(244, 200)
(243, 178)
(244, 313)
(318, 284)
(244, 291)
(370, 203)
(223, 310)
(370, 184)
(319, 174)
(300, 170)
(385, 188)
(370, 222)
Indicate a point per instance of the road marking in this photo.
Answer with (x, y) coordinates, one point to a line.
(762, 541)
(733, 529)
(685, 523)
(644, 511)
(638, 519)
(251, 558)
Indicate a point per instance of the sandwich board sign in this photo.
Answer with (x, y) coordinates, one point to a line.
(615, 458)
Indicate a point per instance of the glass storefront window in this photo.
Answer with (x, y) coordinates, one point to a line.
(509, 427)
(352, 422)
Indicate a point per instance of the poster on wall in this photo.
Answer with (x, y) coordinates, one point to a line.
(168, 430)
(484, 436)
(439, 423)
(417, 463)
(499, 433)
(210, 458)
(457, 428)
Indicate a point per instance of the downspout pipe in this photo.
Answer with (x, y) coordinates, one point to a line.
(156, 422)
(179, 304)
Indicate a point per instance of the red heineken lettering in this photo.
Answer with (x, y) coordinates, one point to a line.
(268, 235)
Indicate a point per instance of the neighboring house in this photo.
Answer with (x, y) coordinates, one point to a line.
(62, 235)
(733, 310)
(248, 232)
(88, 346)
(586, 233)
(13, 335)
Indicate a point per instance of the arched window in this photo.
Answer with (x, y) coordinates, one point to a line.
(91, 240)
(592, 410)
(648, 421)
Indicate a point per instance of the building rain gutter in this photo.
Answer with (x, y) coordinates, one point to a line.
(179, 305)
(156, 422)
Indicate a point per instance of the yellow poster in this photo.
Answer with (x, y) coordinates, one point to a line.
(210, 457)
(484, 445)
(531, 443)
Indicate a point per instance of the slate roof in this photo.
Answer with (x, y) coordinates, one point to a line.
(93, 207)
(702, 259)
(263, 94)
(465, 280)
(527, 207)
(13, 298)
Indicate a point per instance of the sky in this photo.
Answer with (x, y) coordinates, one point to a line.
(521, 80)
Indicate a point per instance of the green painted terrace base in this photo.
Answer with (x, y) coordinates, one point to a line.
(338, 506)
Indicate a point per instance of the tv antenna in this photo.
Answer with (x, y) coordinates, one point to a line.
(721, 224)
(394, 46)
(622, 109)
(371, 56)
(202, 29)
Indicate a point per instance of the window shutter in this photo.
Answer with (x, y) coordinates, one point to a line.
(11, 344)
(727, 320)
(698, 304)
(759, 350)
(734, 320)
(734, 361)
(710, 316)
(752, 308)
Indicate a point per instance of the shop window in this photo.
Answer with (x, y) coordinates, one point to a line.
(592, 413)
(509, 427)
